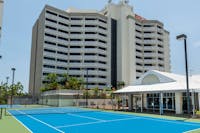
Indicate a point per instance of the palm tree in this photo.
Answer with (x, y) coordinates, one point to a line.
(64, 79)
(52, 80)
(95, 92)
(120, 84)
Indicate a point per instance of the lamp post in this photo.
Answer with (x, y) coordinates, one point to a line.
(184, 37)
(87, 87)
(13, 76)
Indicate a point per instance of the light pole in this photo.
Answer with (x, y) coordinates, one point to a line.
(87, 87)
(184, 37)
(13, 76)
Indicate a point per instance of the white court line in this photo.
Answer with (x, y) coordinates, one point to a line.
(91, 118)
(90, 123)
(76, 115)
(41, 121)
(157, 119)
(170, 121)
(191, 130)
(20, 123)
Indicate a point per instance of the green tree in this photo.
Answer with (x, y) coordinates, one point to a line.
(3, 93)
(95, 92)
(103, 93)
(14, 90)
(120, 84)
(52, 82)
(64, 79)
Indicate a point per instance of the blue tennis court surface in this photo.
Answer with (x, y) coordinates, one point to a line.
(96, 122)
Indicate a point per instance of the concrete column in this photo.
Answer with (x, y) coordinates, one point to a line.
(161, 103)
(179, 103)
(130, 101)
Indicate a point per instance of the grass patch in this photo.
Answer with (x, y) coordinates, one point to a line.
(9, 124)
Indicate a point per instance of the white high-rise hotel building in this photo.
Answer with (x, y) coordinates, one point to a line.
(114, 45)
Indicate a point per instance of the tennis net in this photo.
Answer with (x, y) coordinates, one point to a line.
(47, 110)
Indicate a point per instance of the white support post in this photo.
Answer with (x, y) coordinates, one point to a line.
(193, 105)
(141, 103)
(161, 103)
(178, 102)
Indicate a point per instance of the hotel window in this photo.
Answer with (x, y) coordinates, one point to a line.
(102, 28)
(77, 40)
(51, 20)
(49, 58)
(90, 19)
(102, 48)
(76, 18)
(101, 55)
(102, 62)
(62, 45)
(63, 24)
(48, 66)
(72, 68)
(102, 41)
(61, 68)
(49, 27)
(90, 47)
(63, 38)
(63, 31)
(49, 50)
(103, 21)
(62, 60)
(75, 53)
(90, 54)
(104, 35)
(61, 16)
(90, 26)
(76, 25)
(50, 12)
(50, 43)
(75, 47)
(62, 53)
(101, 69)
(50, 35)
(89, 61)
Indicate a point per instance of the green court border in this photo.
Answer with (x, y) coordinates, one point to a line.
(9, 124)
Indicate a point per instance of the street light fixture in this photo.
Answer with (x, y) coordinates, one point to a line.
(13, 76)
(184, 37)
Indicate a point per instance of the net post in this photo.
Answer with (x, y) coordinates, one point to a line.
(1, 113)
(5, 112)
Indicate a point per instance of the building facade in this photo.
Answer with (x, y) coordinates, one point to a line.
(103, 47)
(1, 15)
(162, 92)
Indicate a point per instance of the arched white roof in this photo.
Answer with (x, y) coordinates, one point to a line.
(168, 82)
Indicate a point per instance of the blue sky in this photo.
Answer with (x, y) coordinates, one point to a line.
(178, 16)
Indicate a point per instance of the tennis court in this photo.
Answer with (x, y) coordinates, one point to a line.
(81, 120)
